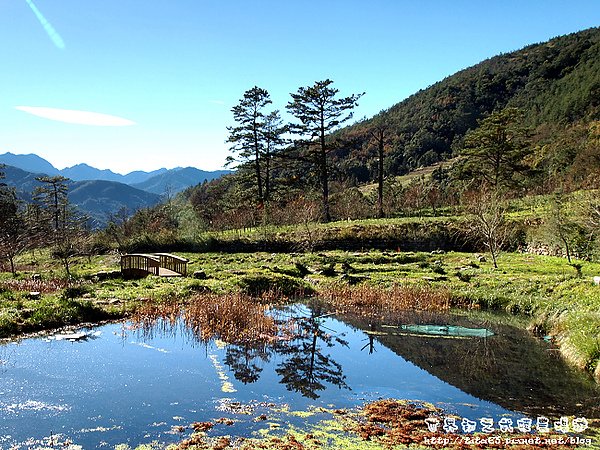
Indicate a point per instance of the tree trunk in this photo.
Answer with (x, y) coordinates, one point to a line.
(324, 176)
(67, 266)
(12, 265)
(568, 249)
(313, 352)
(259, 183)
(267, 174)
(380, 181)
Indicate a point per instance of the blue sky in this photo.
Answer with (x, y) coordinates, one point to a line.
(174, 68)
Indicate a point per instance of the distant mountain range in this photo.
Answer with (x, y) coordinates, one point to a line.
(161, 181)
(99, 199)
(82, 172)
(30, 163)
(101, 193)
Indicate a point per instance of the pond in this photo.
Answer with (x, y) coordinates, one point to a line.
(117, 383)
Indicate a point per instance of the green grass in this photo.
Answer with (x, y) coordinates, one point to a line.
(21, 315)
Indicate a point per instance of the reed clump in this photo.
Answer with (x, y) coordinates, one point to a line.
(152, 316)
(372, 301)
(234, 318)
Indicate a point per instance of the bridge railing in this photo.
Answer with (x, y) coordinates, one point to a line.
(173, 262)
(135, 263)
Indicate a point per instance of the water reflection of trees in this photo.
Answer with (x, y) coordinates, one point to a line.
(6, 357)
(510, 368)
(306, 366)
(245, 361)
(370, 340)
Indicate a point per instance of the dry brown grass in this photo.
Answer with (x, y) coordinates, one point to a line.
(233, 318)
(202, 426)
(152, 317)
(375, 302)
(43, 286)
(395, 423)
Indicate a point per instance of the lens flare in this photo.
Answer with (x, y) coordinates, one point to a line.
(52, 33)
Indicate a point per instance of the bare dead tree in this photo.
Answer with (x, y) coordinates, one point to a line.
(487, 211)
(381, 139)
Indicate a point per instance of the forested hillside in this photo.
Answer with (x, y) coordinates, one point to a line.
(557, 83)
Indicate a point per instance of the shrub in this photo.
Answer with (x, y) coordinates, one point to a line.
(76, 291)
(260, 283)
(197, 287)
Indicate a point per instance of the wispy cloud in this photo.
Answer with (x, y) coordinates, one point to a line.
(52, 33)
(77, 117)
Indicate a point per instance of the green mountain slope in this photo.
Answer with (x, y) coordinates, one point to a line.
(556, 82)
(100, 199)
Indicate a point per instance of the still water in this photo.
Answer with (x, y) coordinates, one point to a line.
(121, 385)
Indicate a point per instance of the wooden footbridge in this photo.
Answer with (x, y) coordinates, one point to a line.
(135, 265)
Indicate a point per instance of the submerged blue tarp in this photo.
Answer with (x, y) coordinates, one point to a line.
(444, 330)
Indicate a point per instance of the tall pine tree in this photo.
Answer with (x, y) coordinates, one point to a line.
(13, 230)
(380, 138)
(52, 196)
(320, 112)
(495, 151)
(248, 137)
(68, 232)
(274, 129)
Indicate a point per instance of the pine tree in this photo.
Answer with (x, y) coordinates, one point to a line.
(496, 149)
(68, 228)
(380, 137)
(52, 196)
(248, 137)
(13, 230)
(320, 113)
(274, 129)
